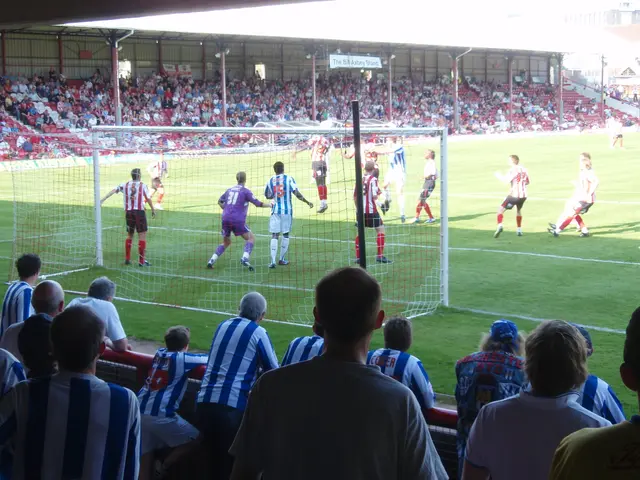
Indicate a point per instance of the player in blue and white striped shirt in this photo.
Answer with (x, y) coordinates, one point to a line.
(72, 424)
(595, 394)
(396, 363)
(160, 398)
(302, 349)
(397, 172)
(16, 306)
(241, 350)
(280, 190)
(11, 371)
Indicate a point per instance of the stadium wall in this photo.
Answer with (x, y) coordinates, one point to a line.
(79, 56)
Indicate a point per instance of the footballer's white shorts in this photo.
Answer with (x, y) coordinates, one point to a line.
(280, 223)
(395, 175)
(162, 432)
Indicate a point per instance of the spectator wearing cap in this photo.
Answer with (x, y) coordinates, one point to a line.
(47, 301)
(607, 453)
(395, 362)
(160, 398)
(100, 299)
(365, 425)
(516, 438)
(16, 306)
(595, 394)
(493, 373)
(302, 349)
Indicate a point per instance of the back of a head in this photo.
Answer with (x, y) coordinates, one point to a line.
(278, 167)
(28, 265)
(252, 306)
(556, 358)
(503, 336)
(102, 288)
(177, 338)
(34, 344)
(48, 297)
(136, 174)
(398, 333)
(347, 302)
(241, 177)
(76, 337)
(632, 345)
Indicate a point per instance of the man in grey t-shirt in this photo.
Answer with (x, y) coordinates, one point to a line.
(334, 416)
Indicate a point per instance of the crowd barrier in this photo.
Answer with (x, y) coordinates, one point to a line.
(130, 369)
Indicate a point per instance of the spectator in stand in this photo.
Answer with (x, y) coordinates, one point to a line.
(607, 453)
(302, 349)
(34, 343)
(160, 398)
(517, 437)
(595, 394)
(11, 372)
(16, 306)
(100, 299)
(47, 301)
(395, 362)
(365, 424)
(493, 373)
(99, 422)
(241, 349)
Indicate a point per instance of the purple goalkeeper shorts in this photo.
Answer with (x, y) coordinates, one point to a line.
(237, 228)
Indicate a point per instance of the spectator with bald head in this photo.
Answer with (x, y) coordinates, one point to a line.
(72, 424)
(100, 298)
(334, 416)
(47, 301)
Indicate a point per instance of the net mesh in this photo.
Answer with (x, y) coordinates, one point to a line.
(53, 208)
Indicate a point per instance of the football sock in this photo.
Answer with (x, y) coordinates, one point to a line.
(284, 247)
(142, 245)
(160, 197)
(401, 202)
(248, 248)
(519, 221)
(127, 248)
(357, 247)
(580, 222)
(418, 209)
(274, 249)
(380, 244)
(500, 218)
(564, 224)
(322, 192)
(428, 210)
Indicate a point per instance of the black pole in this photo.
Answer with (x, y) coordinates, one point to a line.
(355, 108)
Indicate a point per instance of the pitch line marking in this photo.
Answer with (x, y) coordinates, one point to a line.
(535, 319)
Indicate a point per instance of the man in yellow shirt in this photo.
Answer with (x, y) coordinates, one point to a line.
(611, 453)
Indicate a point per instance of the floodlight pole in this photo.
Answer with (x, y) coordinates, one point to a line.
(224, 87)
(390, 91)
(115, 76)
(314, 107)
(603, 64)
(560, 90)
(456, 109)
(510, 73)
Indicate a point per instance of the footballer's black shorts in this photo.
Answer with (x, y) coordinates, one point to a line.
(136, 221)
(372, 220)
(511, 202)
(618, 136)
(156, 183)
(319, 172)
(427, 189)
(582, 207)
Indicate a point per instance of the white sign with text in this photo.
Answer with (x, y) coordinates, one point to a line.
(354, 61)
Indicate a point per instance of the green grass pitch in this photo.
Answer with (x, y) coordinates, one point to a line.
(586, 280)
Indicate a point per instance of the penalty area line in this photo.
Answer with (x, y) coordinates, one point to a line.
(534, 319)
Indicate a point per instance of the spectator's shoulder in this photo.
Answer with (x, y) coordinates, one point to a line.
(122, 392)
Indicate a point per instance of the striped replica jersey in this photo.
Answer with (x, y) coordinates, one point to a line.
(167, 381)
(430, 170)
(587, 186)
(241, 350)
(518, 177)
(71, 425)
(136, 194)
(397, 159)
(406, 369)
(370, 192)
(16, 306)
(158, 169)
(598, 397)
(302, 349)
(11, 371)
(319, 148)
(280, 188)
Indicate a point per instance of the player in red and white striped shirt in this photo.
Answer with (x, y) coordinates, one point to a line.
(320, 147)
(158, 170)
(518, 177)
(136, 194)
(370, 192)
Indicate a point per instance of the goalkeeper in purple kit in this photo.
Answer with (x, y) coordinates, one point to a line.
(235, 203)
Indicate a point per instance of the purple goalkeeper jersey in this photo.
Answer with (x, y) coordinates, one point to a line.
(236, 203)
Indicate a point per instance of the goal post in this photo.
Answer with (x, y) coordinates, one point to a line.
(80, 239)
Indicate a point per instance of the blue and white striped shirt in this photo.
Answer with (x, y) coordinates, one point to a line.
(11, 371)
(16, 306)
(241, 350)
(280, 188)
(302, 349)
(165, 386)
(72, 425)
(598, 397)
(397, 159)
(406, 369)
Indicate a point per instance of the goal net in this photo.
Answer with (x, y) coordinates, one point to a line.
(57, 214)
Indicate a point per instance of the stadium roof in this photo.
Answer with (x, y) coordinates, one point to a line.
(460, 25)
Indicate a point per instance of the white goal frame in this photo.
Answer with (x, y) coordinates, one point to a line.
(97, 131)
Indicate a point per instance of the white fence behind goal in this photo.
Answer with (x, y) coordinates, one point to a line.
(57, 214)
